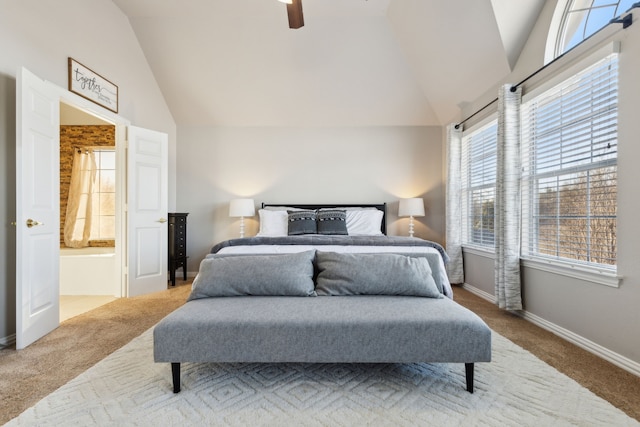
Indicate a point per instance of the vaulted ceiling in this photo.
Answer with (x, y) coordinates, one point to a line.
(353, 63)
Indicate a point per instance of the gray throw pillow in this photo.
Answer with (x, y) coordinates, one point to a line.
(374, 274)
(332, 222)
(302, 222)
(266, 275)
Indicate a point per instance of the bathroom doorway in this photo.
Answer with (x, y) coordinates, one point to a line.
(88, 273)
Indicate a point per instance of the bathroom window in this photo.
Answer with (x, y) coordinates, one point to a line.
(103, 198)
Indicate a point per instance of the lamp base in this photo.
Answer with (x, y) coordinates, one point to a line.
(410, 226)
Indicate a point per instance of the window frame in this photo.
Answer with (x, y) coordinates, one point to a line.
(598, 273)
(99, 240)
(467, 188)
(558, 26)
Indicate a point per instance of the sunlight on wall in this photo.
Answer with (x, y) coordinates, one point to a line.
(308, 165)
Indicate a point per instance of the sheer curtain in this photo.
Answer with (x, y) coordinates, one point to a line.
(77, 224)
(455, 268)
(507, 203)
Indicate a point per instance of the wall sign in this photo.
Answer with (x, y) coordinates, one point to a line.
(92, 86)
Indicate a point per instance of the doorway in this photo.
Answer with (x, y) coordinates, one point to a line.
(88, 276)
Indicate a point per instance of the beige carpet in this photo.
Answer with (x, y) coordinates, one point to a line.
(28, 375)
(31, 374)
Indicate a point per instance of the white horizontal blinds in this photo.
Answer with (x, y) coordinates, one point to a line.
(569, 137)
(479, 184)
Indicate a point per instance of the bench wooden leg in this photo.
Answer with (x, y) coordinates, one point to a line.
(468, 370)
(175, 371)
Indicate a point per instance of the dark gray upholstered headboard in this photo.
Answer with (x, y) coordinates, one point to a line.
(382, 207)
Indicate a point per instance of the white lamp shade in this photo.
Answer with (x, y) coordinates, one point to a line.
(411, 207)
(242, 207)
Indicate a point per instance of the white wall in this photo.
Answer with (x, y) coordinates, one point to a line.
(41, 35)
(305, 165)
(604, 316)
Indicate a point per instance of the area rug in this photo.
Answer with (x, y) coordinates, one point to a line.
(128, 389)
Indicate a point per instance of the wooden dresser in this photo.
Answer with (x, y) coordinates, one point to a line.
(177, 245)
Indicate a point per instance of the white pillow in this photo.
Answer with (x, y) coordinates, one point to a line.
(273, 223)
(364, 222)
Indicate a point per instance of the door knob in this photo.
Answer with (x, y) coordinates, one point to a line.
(162, 220)
(32, 223)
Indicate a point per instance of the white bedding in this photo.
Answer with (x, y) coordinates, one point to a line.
(287, 249)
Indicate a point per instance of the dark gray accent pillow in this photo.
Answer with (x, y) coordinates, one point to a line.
(282, 274)
(332, 221)
(302, 222)
(374, 274)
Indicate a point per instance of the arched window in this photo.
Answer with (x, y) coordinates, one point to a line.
(576, 20)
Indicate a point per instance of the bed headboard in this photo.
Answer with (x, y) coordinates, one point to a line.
(382, 207)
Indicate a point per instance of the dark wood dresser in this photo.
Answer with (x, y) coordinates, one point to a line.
(177, 245)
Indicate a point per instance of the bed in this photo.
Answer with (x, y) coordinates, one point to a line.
(322, 284)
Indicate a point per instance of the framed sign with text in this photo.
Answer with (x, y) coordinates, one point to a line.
(92, 86)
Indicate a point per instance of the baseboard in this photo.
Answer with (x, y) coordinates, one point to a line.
(600, 351)
(588, 345)
(8, 341)
(479, 292)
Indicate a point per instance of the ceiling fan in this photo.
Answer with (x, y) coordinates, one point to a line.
(294, 11)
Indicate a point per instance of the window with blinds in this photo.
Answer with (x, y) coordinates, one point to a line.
(569, 153)
(479, 158)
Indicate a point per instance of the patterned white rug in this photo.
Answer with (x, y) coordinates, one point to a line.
(128, 388)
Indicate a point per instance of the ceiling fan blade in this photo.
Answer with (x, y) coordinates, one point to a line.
(294, 11)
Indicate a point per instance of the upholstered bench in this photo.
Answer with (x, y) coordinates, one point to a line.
(336, 329)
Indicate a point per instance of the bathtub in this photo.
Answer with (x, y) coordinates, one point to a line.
(88, 271)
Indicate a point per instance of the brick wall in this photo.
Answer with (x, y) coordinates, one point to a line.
(79, 136)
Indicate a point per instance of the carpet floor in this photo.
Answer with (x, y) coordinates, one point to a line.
(29, 375)
(128, 389)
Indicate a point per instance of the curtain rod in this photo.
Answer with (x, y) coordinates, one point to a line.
(626, 22)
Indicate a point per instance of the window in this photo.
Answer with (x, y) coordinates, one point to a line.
(569, 152)
(103, 196)
(582, 18)
(479, 157)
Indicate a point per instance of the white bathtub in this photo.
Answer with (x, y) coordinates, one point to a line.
(88, 271)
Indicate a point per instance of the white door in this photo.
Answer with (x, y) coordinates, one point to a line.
(37, 207)
(147, 188)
